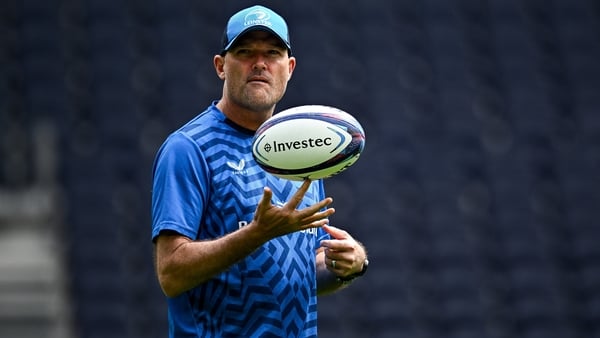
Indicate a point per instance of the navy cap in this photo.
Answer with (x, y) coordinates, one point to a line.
(255, 18)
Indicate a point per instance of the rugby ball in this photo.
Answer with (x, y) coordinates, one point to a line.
(308, 142)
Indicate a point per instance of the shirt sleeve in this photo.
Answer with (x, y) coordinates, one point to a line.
(179, 187)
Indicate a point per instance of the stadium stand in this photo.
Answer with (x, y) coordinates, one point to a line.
(478, 194)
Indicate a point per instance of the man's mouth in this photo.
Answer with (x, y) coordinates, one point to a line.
(258, 79)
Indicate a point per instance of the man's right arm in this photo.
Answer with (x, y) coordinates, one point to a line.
(182, 263)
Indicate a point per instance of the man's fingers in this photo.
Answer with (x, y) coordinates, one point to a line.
(315, 216)
(265, 201)
(337, 233)
(295, 201)
(312, 216)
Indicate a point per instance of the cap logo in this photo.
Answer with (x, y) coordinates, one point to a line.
(257, 17)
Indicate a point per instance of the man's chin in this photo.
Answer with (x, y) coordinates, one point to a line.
(260, 102)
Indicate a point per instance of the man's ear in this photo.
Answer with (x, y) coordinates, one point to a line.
(292, 66)
(219, 63)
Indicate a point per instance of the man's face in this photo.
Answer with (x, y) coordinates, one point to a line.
(256, 71)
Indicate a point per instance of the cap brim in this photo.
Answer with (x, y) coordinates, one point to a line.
(256, 28)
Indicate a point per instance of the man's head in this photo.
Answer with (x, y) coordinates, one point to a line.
(255, 65)
(251, 19)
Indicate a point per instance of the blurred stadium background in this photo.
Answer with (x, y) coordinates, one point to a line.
(477, 195)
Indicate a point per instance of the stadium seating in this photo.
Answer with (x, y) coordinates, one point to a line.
(477, 194)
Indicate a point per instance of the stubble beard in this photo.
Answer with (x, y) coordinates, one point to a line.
(258, 100)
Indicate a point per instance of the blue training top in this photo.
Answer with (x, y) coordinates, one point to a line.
(207, 184)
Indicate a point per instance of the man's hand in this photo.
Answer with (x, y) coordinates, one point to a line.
(344, 255)
(274, 221)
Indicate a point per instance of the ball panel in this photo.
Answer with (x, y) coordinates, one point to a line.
(324, 113)
(286, 143)
(315, 174)
(308, 142)
(317, 111)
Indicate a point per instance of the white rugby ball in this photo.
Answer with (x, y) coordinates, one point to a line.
(308, 142)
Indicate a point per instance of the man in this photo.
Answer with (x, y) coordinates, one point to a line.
(239, 252)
